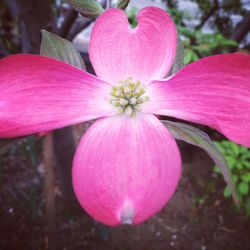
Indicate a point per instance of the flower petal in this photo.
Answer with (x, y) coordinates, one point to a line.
(146, 52)
(126, 169)
(41, 94)
(214, 91)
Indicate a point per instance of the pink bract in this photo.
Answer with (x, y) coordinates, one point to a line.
(126, 166)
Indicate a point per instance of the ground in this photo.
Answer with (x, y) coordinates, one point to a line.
(197, 217)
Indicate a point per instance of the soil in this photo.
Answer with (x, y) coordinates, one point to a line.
(197, 217)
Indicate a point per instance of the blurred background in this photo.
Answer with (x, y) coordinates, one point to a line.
(37, 205)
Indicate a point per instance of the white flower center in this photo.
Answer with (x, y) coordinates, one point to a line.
(128, 96)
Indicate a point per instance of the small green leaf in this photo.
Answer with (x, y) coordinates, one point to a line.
(194, 56)
(246, 177)
(230, 160)
(238, 165)
(87, 8)
(220, 147)
(188, 56)
(122, 4)
(235, 149)
(246, 164)
(243, 150)
(243, 188)
(56, 47)
(200, 139)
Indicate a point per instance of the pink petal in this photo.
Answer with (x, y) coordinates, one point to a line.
(214, 91)
(126, 169)
(41, 94)
(147, 52)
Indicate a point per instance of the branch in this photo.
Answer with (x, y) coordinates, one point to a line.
(78, 27)
(242, 29)
(67, 24)
(209, 14)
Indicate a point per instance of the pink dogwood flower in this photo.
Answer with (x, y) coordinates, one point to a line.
(127, 164)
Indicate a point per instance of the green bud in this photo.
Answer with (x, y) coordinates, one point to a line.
(87, 8)
(122, 4)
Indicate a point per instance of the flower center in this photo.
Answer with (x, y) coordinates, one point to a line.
(128, 96)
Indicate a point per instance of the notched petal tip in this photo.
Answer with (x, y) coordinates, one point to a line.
(146, 52)
(127, 213)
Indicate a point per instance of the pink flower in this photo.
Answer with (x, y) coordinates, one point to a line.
(127, 165)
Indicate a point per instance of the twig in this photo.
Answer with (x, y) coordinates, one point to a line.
(78, 27)
(242, 29)
(228, 230)
(68, 22)
(209, 14)
(165, 226)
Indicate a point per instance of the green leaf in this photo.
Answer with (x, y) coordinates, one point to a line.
(238, 165)
(244, 150)
(246, 164)
(122, 4)
(61, 49)
(227, 145)
(200, 139)
(88, 8)
(235, 148)
(179, 58)
(245, 177)
(188, 56)
(243, 188)
(230, 160)
(220, 147)
(194, 56)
